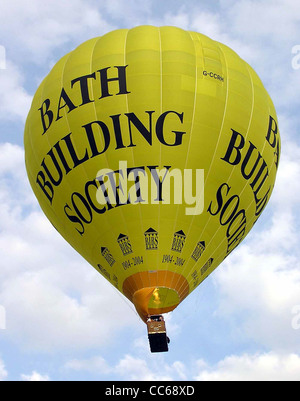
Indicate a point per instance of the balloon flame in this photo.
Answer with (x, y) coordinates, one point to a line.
(156, 296)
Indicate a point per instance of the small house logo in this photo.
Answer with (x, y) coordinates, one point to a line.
(104, 271)
(195, 278)
(108, 256)
(206, 266)
(200, 248)
(178, 241)
(151, 239)
(115, 281)
(124, 244)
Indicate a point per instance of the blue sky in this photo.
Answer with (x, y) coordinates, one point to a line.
(63, 320)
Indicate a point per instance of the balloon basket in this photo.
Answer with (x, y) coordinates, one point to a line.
(157, 334)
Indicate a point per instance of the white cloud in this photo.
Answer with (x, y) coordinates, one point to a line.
(56, 301)
(129, 12)
(287, 189)
(129, 367)
(12, 159)
(262, 33)
(3, 372)
(274, 20)
(180, 369)
(260, 282)
(132, 368)
(45, 29)
(259, 367)
(259, 290)
(47, 26)
(246, 367)
(269, 366)
(35, 377)
(14, 99)
(96, 365)
(53, 300)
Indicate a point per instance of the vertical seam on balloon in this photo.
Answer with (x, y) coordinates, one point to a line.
(192, 124)
(223, 119)
(246, 136)
(220, 258)
(28, 126)
(212, 161)
(216, 261)
(230, 175)
(194, 111)
(215, 233)
(30, 138)
(92, 92)
(83, 165)
(62, 73)
(96, 115)
(132, 151)
(233, 170)
(250, 223)
(42, 88)
(69, 129)
(160, 145)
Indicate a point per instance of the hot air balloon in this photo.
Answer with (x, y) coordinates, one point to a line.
(153, 151)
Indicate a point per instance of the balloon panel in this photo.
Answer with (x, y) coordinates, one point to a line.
(153, 151)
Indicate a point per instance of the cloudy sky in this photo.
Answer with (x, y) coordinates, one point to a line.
(59, 319)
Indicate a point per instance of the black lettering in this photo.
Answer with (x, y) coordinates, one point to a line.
(74, 219)
(277, 154)
(89, 199)
(41, 181)
(46, 115)
(226, 206)
(62, 157)
(160, 129)
(105, 192)
(91, 137)
(237, 143)
(230, 218)
(241, 213)
(121, 79)
(117, 130)
(83, 81)
(248, 175)
(158, 182)
(219, 199)
(261, 203)
(258, 175)
(86, 208)
(236, 241)
(67, 103)
(76, 160)
(136, 171)
(147, 133)
(57, 169)
(272, 132)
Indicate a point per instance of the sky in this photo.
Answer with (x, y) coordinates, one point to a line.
(59, 319)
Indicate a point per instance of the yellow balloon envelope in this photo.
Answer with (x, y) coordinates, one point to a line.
(153, 151)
